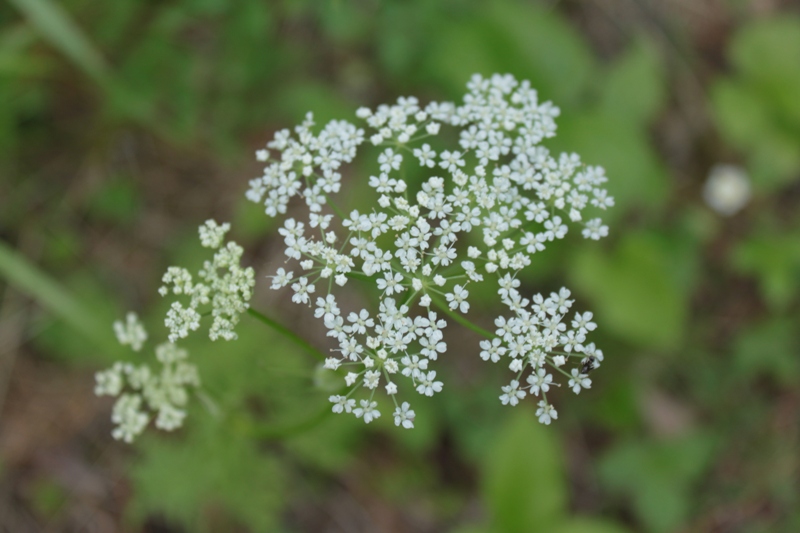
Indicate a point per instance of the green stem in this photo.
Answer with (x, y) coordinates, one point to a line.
(460, 319)
(286, 332)
(336, 210)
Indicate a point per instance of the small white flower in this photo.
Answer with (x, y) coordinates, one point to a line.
(368, 410)
(579, 381)
(281, 279)
(546, 412)
(492, 350)
(458, 299)
(427, 385)
(583, 322)
(404, 416)
(540, 381)
(595, 230)
(425, 155)
(512, 393)
(342, 404)
(371, 379)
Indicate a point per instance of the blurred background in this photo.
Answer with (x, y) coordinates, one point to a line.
(125, 124)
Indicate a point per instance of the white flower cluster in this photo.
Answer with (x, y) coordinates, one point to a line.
(224, 285)
(224, 290)
(131, 332)
(484, 210)
(531, 338)
(142, 392)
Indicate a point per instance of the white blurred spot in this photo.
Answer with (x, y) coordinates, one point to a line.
(727, 189)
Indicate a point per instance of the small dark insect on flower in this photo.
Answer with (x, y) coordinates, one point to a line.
(588, 364)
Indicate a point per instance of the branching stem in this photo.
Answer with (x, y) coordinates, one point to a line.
(286, 332)
(442, 306)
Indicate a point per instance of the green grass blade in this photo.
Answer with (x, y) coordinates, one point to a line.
(52, 296)
(57, 27)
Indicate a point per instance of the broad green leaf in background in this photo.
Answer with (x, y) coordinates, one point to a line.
(524, 485)
(187, 479)
(522, 39)
(636, 177)
(766, 53)
(524, 482)
(617, 407)
(772, 348)
(634, 89)
(259, 381)
(403, 39)
(757, 108)
(552, 53)
(774, 258)
(657, 477)
(634, 289)
(745, 120)
(464, 48)
(587, 525)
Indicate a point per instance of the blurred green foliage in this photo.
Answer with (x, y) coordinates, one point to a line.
(757, 109)
(670, 288)
(658, 476)
(524, 485)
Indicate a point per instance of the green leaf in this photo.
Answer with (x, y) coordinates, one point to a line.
(588, 525)
(526, 40)
(634, 90)
(636, 177)
(617, 406)
(757, 109)
(774, 258)
(658, 477)
(745, 120)
(766, 53)
(465, 48)
(739, 112)
(56, 26)
(771, 347)
(635, 290)
(186, 479)
(524, 483)
(552, 53)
